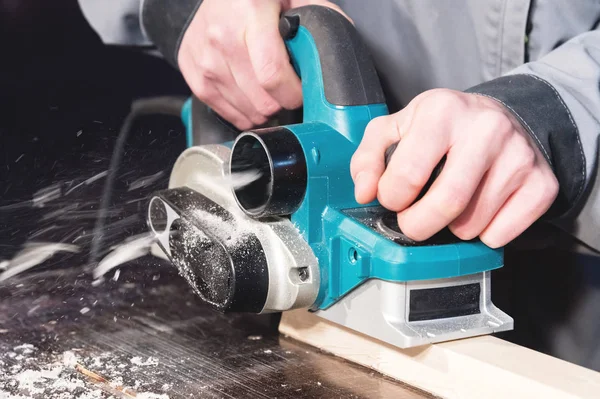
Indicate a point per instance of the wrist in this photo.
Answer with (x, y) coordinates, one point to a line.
(545, 118)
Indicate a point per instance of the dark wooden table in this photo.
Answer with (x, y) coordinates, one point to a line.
(147, 333)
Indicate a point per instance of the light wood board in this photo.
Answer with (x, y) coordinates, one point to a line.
(480, 367)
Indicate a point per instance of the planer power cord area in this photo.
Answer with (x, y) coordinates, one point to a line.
(166, 105)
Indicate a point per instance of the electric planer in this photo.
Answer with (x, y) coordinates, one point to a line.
(266, 220)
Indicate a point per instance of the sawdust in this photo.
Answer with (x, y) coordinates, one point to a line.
(68, 375)
(151, 361)
(241, 179)
(50, 381)
(131, 249)
(230, 232)
(191, 241)
(145, 181)
(201, 261)
(204, 264)
(25, 348)
(230, 181)
(46, 194)
(33, 254)
(145, 395)
(97, 394)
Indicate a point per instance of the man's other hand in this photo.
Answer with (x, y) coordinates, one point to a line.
(495, 182)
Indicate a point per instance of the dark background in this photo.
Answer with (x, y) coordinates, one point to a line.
(63, 95)
(63, 98)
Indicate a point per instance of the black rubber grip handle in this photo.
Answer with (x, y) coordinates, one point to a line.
(434, 174)
(349, 75)
(208, 127)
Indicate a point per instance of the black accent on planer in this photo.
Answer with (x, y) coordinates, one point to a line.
(444, 302)
(277, 154)
(225, 263)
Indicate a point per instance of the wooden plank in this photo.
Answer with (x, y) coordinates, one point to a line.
(480, 367)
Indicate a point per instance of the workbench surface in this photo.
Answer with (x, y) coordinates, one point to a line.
(147, 333)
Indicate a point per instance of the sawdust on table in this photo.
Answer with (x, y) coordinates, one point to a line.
(25, 374)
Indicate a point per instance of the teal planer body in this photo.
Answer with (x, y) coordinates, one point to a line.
(362, 271)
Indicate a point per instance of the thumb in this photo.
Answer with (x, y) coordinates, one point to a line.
(368, 162)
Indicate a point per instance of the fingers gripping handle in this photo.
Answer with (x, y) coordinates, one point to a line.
(337, 73)
(434, 174)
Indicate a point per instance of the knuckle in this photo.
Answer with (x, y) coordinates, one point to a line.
(356, 161)
(497, 125)
(409, 175)
(500, 122)
(205, 69)
(208, 73)
(270, 74)
(360, 161)
(362, 158)
(375, 127)
(452, 201)
(385, 197)
(389, 196)
(526, 159)
(549, 190)
(214, 34)
(200, 90)
(258, 119)
(444, 101)
(268, 108)
(544, 188)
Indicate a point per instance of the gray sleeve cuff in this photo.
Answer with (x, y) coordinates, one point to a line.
(547, 119)
(164, 22)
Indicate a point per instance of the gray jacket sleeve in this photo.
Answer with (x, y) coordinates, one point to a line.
(159, 23)
(557, 100)
(164, 22)
(115, 21)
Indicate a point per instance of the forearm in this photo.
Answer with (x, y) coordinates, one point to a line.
(557, 99)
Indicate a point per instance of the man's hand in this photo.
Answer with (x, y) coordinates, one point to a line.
(495, 182)
(235, 61)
